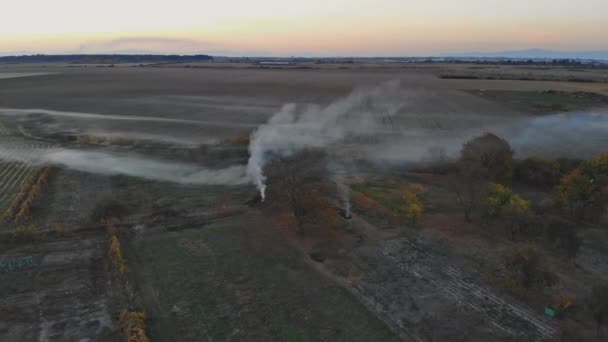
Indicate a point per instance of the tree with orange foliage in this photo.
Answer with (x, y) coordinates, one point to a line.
(299, 185)
(584, 191)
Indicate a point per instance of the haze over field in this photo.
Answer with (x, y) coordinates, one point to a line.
(368, 170)
(311, 28)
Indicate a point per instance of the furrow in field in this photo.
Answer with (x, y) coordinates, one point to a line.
(8, 197)
(12, 177)
(468, 291)
(13, 173)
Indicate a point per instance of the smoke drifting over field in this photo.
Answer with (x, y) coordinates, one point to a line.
(386, 123)
(131, 165)
(567, 135)
(295, 128)
(574, 135)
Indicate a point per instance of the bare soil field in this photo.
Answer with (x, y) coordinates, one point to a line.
(62, 295)
(210, 262)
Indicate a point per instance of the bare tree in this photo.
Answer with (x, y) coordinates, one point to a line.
(300, 185)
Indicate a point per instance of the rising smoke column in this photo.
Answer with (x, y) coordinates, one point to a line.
(338, 176)
(295, 128)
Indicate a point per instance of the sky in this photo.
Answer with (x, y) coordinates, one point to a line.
(301, 28)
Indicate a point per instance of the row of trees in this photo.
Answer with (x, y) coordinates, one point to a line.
(298, 185)
(486, 166)
(580, 193)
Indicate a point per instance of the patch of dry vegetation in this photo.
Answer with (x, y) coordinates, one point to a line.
(133, 326)
(300, 193)
(105, 140)
(535, 209)
(31, 189)
(132, 323)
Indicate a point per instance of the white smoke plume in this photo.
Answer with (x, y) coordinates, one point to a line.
(338, 173)
(130, 165)
(295, 127)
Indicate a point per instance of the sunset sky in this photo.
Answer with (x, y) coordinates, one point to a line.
(303, 28)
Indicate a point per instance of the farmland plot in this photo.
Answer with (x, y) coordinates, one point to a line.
(16, 166)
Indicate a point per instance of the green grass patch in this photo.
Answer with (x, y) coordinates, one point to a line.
(227, 279)
(180, 195)
(286, 332)
(546, 101)
(542, 97)
(383, 193)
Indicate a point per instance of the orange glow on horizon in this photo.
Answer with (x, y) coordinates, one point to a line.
(383, 27)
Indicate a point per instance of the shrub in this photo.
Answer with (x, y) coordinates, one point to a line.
(527, 267)
(563, 234)
(61, 229)
(564, 301)
(237, 140)
(115, 254)
(24, 212)
(566, 165)
(133, 326)
(111, 227)
(27, 233)
(106, 209)
(413, 208)
(538, 172)
(503, 200)
(7, 215)
(597, 167)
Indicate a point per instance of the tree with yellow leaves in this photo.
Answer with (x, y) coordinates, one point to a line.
(584, 191)
(503, 204)
(413, 208)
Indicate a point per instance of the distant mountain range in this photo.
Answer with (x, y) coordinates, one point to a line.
(537, 54)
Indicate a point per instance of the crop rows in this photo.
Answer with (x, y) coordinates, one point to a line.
(465, 289)
(16, 171)
(4, 131)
